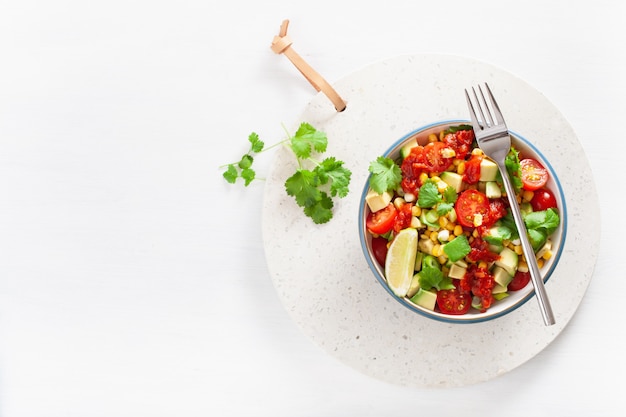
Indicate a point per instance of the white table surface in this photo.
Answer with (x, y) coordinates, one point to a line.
(132, 277)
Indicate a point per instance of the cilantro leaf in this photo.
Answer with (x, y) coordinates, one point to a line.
(321, 211)
(302, 185)
(428, 195)
(546, 219)
(246, 161)
(333, 170)
(430, 278)
(306, 139)
(231, 174)
(457, 248)
(386, 174)
(248, 176)
(443, 208)
(450, 195)
(513, 167)
(540, 224)
(256, 145)
(310, 188)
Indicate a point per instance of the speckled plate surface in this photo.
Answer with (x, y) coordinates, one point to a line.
(320, 273)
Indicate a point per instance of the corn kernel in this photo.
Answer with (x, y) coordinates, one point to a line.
(528, 195)
(522, 266)
(475, 233)
(518, 249)
(433, 236)
(478, 219)
(432, 137)
(482, 264)
(423, 177)
(540, 262)
(448, 153)
(460, 169)
(443, 221)
(442, 259)
(399, 202)
(437, 251)
(415, 222)
(416, 211)
(441, 186)
(547, 255)
(458, 230)
(450, 226)
(477, 151)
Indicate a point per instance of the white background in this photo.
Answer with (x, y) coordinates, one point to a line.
(132, 277)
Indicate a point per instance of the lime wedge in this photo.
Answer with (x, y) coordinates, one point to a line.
(400, 262)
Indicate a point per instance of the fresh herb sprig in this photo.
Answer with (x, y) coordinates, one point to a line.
(386, 174)
(314, 184)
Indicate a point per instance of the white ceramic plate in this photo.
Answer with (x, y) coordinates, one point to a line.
(321, 275)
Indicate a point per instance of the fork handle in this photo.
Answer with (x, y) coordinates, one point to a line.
(529, 253)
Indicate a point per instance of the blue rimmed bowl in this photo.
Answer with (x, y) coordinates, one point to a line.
(515, 298)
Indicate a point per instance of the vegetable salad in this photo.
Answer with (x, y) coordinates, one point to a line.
(469, 254)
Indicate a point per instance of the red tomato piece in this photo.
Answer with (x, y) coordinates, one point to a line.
(434, 161)
(543, 199)
(534, 175)
(472, 169)
(411, 167)
(479, 251)
(460, 141)
(379, 248)
(497, 210)
(403, 217)
(453, 301)
(381, 221)
(469, 204)
(520, 280)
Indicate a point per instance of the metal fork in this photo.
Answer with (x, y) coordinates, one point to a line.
(494, 140)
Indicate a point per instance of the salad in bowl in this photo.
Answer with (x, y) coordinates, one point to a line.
(436, 228)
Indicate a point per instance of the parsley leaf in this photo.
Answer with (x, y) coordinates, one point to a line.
(386, 174)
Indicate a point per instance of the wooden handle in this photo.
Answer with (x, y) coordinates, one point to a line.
(282, 45)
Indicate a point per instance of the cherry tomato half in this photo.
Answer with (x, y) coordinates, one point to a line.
(469, 204)
(534, 175)
(434, 161)
(381, 221)
(543, 199)
(453, 301)
(379, 248)
(520, 280)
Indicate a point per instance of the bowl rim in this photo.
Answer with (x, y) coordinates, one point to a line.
(479, 317)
